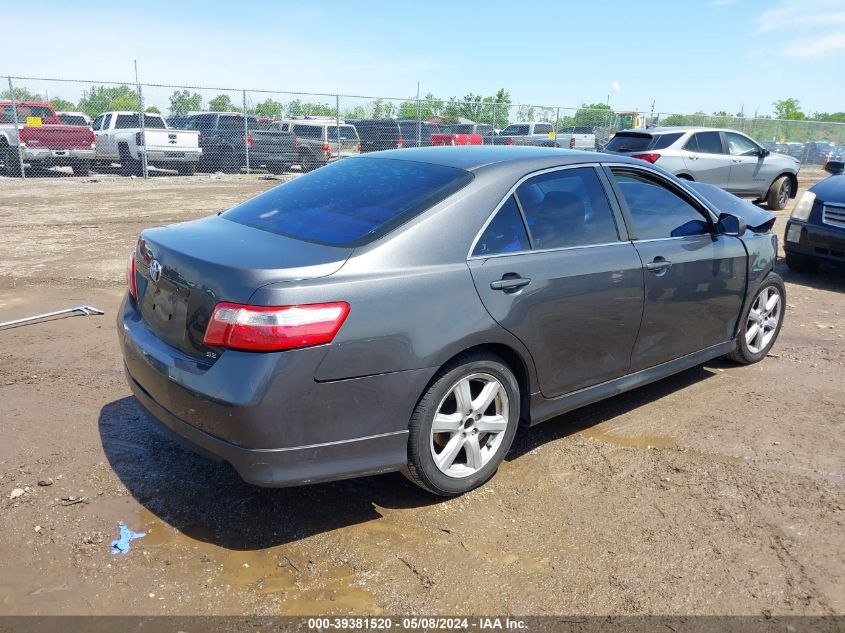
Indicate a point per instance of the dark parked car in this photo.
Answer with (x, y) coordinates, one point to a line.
(378, 134)
(408, 310)
(815, 232)
(416, 134)
(224, 141)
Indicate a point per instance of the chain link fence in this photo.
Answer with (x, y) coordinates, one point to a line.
(58, 127)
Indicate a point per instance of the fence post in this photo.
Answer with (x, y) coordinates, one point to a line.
(557, 120)
(337, 121)
(419, 117)
(142, 148)
(15, 119)
(246, 133)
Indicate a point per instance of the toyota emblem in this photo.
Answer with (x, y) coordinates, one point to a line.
(155, 270)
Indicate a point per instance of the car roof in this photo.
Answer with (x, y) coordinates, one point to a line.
(474, 157)
(676, 129)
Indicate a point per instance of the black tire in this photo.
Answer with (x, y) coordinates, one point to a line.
(128, 165)
(422, 469)
(11, 162)
(307, 162)
(278, 168)
(744, 353)
(779, 193)
(186, 169)
(81, 168)
(801, 263)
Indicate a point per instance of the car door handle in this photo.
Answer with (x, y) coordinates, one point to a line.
(736, 160)
(509, 284)
(659, 265)
(693, 157)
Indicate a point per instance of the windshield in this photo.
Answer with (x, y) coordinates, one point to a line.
(350, 202)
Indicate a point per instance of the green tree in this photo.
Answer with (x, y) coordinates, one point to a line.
(789, 109)
(222, 103)
(381, 109)
(182, 102)
(300, 108)
(356, 112)
(835, 117)
(20, 93)
(430, 107)
(62, 105)
(105, 98)
(593, 114)
(153, 110)
(269, 108)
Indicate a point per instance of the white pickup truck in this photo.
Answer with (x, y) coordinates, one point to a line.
(542, 134)
(119, 139)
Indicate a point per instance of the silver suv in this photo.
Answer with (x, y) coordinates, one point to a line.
(726, 158)
(321, 140)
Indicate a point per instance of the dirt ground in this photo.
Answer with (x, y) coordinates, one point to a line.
(718, 491)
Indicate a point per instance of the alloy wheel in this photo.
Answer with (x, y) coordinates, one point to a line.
(469, 425)
(763, 319)
(783, 194)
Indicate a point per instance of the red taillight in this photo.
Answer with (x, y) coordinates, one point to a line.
(649, 158)
(400, 143)
(21, 136)
(296, 143)
(91, 138)
(359, 148)
(270, 328)
(130, 277)
(509, 141)
(326, 149)
(572, 143)
(248, 139)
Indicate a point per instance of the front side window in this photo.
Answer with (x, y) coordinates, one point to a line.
(505, 233)
(738, 145)
(656, 211)
(97, 122)
(515, 130)
(567, 208)
(542, 128)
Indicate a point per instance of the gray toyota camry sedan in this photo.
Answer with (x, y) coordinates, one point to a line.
(411, 309)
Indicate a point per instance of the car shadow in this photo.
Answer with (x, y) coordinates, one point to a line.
(209, 502)
(604, 410)
(829, 276)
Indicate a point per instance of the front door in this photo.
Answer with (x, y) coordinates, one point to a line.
(748, 173)
(694, 277)
(570, 287)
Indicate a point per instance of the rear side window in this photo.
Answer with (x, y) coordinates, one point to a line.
(656, 211)
(662, 141)
(515, 130)
(350, 202)
(314, 132)
(629, 143)
(505, 233)
(542, 128)
(347, 133)
(567, 208)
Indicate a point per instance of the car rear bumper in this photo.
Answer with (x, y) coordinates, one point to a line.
(285, 466)
(272, 158)
(265, 413)
(813, 240)
(56, 156)
(173, 155)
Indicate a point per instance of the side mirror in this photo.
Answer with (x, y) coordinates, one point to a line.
(764, 152)
(731, 225)
(835, 167)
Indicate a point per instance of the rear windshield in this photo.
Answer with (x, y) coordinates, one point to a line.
(629, 143)
(347, 133)
(381, 127)
(350, 202)
(27, 111)
(129, 121)
(72, 119)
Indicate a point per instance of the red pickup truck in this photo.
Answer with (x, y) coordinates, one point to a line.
(40, 138)
(462, 134)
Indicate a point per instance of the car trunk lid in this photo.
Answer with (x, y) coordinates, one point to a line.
(184, 270)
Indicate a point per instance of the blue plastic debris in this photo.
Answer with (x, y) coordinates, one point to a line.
(121, 545)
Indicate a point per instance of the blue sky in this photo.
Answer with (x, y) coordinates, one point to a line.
(685, 55)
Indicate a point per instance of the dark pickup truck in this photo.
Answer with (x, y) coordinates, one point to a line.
(225, 143)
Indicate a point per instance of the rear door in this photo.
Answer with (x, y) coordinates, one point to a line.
(571, 286)
(706, 160)
(343, 140)
(694, 277)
